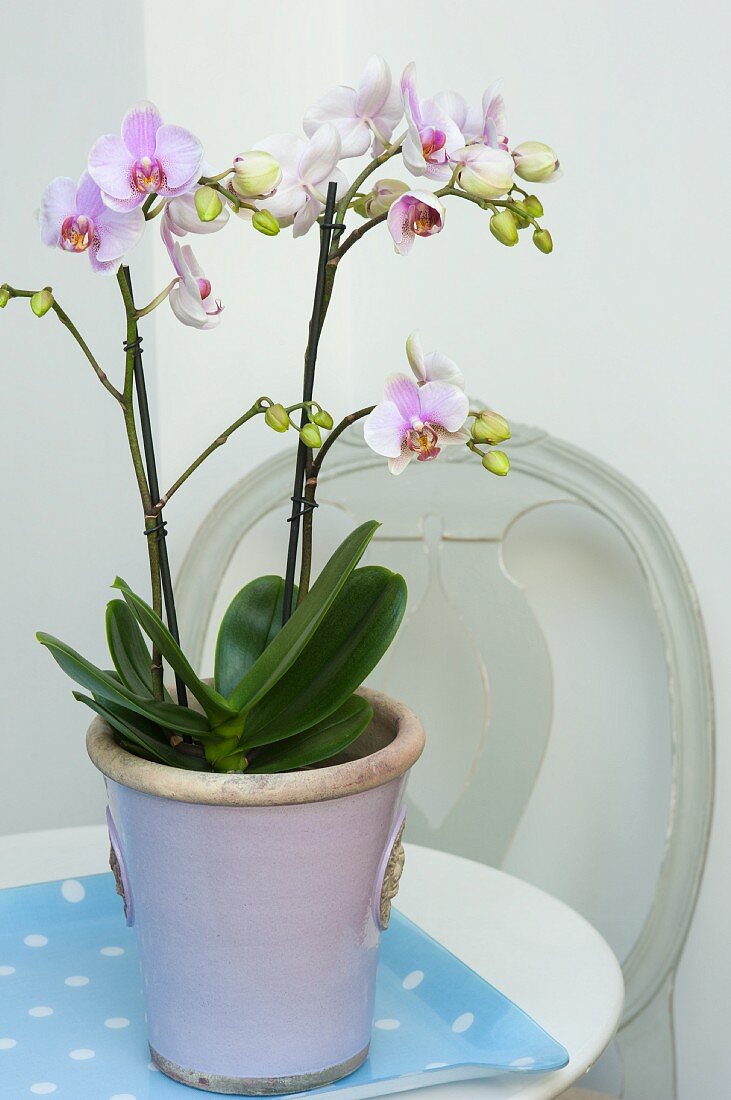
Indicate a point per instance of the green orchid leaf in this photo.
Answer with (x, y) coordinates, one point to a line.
(215, 706)
(128, 649)
(253, 619)
(286, 647)
(101, 684)
(345, 648)
(139, 733)
(320, 742)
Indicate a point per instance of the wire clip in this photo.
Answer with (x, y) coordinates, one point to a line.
(159, 530)
(307, 507)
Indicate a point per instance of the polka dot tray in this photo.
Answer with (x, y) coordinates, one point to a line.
(72, 1019)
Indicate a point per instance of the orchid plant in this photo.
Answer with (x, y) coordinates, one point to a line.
(283, 695)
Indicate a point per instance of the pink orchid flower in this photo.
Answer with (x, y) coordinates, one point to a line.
(191, 299)
(307, 168)
(416, 421)
(415, 214)
(431, 366)
(487, 125)
(368, 114)
(431, 133)
(74, 217)
(150, 158)
(181, 216)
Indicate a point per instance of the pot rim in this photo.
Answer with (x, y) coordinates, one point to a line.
(278, 789)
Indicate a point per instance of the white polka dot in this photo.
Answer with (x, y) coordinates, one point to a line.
(7, 1044)
(73, 890)
(116, 1022)
(82, 1055)
(152, 1067)
(388, 1025)
(463, 1022)
(112, 952)
(43, 1088)
(523, 1062)
(76, 980)
(416, 977)
(5, 971)
(36, 941)
(40, 1011)
(435, 1065)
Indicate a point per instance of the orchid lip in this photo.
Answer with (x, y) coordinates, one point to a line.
(423, 220)
(77, 233)
(432, 141)
(205, 288)
(422, 440)
(147, 175)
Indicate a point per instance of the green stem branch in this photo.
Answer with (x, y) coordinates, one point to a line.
(138, 464)
(311, 491)
(157, 300)
(68, 324)
(342, 207)
(259, 406)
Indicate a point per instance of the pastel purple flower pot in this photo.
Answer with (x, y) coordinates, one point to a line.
(258, 903)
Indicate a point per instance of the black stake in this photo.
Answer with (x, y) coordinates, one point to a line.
(158, 532)
(299, 504)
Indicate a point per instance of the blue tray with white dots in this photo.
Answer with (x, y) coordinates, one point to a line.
(72, 1018)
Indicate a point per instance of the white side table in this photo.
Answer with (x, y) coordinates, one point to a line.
(536, 950)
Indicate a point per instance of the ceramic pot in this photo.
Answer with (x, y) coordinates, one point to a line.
(258, 902)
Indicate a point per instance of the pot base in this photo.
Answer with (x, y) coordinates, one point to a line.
(258, 1086)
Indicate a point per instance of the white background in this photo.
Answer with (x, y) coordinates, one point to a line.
(616, 342)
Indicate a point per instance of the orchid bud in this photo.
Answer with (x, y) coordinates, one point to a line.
(490, 427)
(535, 161)
(323, 420)
(42, 301)
(497, 462)
(277, 417)
(310, 436)
(208, 204)
(542, 240)
(4, 296)
(503, 227)
(382, 197)
(534, 206)
(256, 174)
(265, 223)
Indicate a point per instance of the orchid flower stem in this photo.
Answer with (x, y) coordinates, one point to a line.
(153, 211)
(310, 492)
(229, 196)
(355, 236)
(157, 300)
(484, 204)
(342, 207)
(146, 473)
(210, 180)
(259, 406)
(68, 324)
(323, 291)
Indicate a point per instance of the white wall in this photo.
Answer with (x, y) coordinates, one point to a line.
(69, 515)
(614, 342)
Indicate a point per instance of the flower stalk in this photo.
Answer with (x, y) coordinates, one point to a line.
(160, 576)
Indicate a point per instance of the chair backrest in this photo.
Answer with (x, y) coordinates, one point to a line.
(476, 662)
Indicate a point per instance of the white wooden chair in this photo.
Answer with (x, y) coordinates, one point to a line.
(477, 656)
